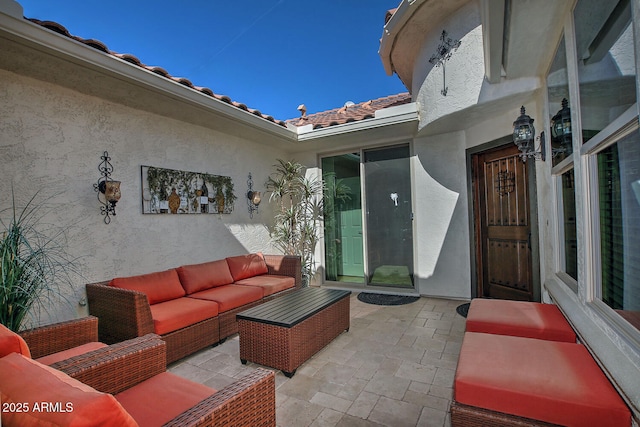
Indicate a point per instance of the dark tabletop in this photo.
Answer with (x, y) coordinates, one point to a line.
(291, 309)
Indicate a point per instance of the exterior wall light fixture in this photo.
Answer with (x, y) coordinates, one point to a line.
(108, 188)
(561, 129)
(524, 136)
(253, 197)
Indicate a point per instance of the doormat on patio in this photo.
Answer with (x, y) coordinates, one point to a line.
(463, 309)
(385, 299)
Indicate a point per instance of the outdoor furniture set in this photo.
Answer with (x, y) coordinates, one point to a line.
(192, 306)
(124, 384)
(520, 365)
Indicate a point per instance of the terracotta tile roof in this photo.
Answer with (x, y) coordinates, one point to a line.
(96, 44)
(349, 112)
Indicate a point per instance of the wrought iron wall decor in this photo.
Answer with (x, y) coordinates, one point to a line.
(443, 54)
(505, 182)
(182, 192)
(109, 188)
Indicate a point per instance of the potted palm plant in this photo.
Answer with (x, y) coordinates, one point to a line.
(34, 266)
(299, 211)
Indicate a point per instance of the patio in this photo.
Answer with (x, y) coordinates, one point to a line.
(394, 367)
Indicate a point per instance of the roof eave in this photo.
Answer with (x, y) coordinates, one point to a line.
(45, 40)
(385, 117)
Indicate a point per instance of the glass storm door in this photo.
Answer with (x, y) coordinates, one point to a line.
(389, 217)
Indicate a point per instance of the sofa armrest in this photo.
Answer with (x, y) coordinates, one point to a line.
(250, 401)
(117, 367)
(123, 313)
(49, 339)
(285, 265)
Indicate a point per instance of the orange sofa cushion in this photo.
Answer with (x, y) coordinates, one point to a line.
(159, 287)
(198, 277)
(518, 318)
(66, 354)
(270, 284)
(230, 296)
(551, 381)
(244, 266)
(10, 342)
(27, 384)
(161, 398)
(179, 313)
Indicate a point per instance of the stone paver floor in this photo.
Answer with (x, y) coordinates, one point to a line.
(394, 368)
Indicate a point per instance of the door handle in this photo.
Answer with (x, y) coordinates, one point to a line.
(529, 241)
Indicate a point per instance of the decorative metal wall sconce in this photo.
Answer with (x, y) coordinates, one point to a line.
(524, 136)
(443, 54)
(109, 188)
(253, 197)
(561, 129)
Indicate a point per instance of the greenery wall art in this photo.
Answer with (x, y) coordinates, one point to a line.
(169, 191)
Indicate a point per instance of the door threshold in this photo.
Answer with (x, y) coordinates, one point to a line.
(359, 287)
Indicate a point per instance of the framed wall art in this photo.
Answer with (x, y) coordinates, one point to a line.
(170, 191)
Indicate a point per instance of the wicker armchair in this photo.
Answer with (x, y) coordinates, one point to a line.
(97, 368)
(249, 401)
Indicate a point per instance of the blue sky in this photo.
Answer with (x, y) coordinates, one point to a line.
(272, 55)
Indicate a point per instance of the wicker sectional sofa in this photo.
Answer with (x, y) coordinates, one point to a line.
(192, 306)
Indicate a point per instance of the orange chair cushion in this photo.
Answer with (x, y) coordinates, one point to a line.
(179, 313)
(550, 381)
(10, 342)
(269, 283)
(27, 385)
(230, 296)
(160, 399)
(198, 277)
(159, 287)
(520, 319)
(244, 266)
(66, 354)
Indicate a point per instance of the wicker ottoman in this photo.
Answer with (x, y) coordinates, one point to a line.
(287, 331)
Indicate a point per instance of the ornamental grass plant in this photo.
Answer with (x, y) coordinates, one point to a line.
(35, 269)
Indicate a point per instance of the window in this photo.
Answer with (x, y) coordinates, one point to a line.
(618, 196)
(562, 161)
(609, 116)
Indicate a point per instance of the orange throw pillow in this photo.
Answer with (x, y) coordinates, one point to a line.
(198, 277)
(10, 342)
(159, 287)
(245, 266)
(34, 395)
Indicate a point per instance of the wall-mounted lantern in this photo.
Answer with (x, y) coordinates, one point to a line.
(108, 188)
(253, 197)
(524, 136)
(561, 129)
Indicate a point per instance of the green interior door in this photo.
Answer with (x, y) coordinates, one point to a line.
(351, 231)
(343, 235)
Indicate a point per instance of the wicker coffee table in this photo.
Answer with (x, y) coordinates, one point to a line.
(287, 331)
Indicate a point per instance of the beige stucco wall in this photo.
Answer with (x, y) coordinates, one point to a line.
(51, 140)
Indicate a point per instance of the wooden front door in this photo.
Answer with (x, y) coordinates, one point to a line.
(502, 224)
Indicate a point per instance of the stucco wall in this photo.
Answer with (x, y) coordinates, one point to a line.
(51, 140)
(441, 216)
(464, 71)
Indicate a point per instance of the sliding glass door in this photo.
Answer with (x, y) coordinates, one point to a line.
(368, 218)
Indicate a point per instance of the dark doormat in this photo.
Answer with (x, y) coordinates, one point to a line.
(463, 309)
(385, 299)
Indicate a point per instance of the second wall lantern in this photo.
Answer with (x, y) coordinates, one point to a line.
(524, 136)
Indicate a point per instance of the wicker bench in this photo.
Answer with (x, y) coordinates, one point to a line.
(287, 331)
(520, 365)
